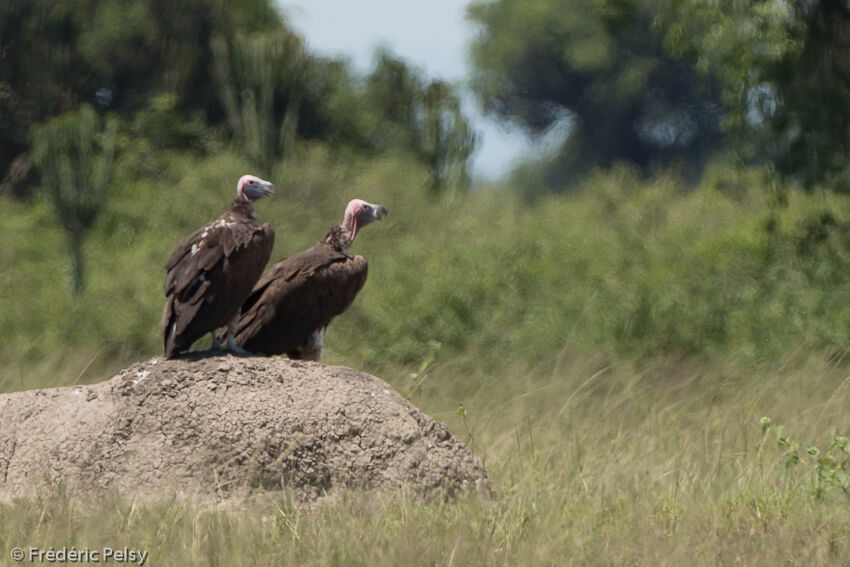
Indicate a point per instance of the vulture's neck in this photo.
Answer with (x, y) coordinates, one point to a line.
(243, 207)
(347, 228)
(337, 239)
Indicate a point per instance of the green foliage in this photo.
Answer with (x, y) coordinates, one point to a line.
(447, 137)
(600, 67)
(622, 265)
(626, 266)
(825, 471)
(59, 54)
(74, 154)
(261, 79)
(813, 125)
(736, 41)
(405, 112)
(163, 125)
(673, 82)
(768, 56)
(241, 76)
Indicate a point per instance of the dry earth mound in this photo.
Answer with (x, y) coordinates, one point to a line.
(217, 426)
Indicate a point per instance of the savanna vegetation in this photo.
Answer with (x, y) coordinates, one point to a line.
(644, 334)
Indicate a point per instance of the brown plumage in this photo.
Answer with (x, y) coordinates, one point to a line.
(213, 270)
(297, 298)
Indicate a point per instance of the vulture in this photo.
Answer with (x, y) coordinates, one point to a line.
(295, 300)
(213, 269)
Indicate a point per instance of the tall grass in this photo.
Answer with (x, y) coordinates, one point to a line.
(649, 464)
(609, 352)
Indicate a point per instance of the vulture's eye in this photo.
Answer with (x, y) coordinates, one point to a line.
(367, 208)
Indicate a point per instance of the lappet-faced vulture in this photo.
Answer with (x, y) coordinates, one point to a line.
(213, 270)
(297, 298)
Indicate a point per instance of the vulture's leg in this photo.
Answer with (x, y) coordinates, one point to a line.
(233, 347)
(231, 330)
(214, 345)
(319, 344)
(312, 349)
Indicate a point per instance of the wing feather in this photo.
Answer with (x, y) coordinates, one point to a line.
(298, 296)
(209, 276)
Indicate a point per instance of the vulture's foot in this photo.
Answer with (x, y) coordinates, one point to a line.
(215, 344)
(233, 347)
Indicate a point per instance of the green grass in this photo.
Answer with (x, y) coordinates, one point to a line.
(609, 352)
(651, 464)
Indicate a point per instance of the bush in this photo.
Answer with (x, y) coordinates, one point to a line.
(622, 265)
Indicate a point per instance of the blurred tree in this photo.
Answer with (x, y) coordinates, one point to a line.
(274, 93)
(811, 114)
(785, 71)
(422, 118)
(261, 81)
(447, 138)
(392, 93)
(111, 54)
(74, 154)
(240, 66)
(741, 44)
(598, 66)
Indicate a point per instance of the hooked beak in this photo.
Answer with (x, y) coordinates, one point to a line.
(267, 189)
(380, 212)
(260, 189)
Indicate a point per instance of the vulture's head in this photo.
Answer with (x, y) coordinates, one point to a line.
(252, 188)
(359, 213)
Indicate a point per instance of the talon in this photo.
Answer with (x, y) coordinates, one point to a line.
(233, 347)
(215, 344)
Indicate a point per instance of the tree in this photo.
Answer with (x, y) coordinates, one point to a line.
(599, 65)
(813, 95)
(113, 55)
(261, 84)
(422, 118)
(447, 138)
(74, 153)
(785, 71)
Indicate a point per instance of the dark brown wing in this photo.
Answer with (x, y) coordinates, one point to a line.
(297, 296)
(209, 276)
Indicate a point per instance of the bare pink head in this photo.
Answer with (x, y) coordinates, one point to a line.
(358, 214)
(251, 188)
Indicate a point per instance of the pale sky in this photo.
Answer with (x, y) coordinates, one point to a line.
(433, 36)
